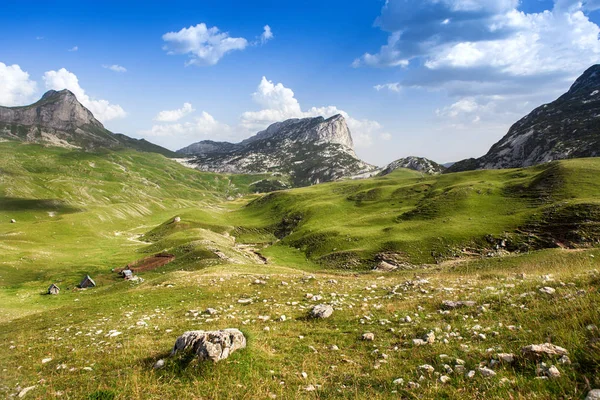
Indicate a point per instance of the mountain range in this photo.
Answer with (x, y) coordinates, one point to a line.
(314, 150)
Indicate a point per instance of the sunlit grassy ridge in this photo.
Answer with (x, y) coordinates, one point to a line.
(83, 213)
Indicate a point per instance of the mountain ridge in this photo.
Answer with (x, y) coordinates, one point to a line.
(59, 119)
(310, 150)
(565, 128)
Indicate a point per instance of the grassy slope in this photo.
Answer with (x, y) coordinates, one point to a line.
(424, 219)
(83, 213)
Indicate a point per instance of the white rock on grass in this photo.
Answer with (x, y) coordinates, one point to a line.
(24, 391)
(211, 345)
(321, 311)
(445, 379)
(427, 368)
(159, 364)
(398, 382)
(553, 372)
(486, 372)
(547, 349)
(507, 358)
(368, 336)
(593, 395)
(548, 290)
(46, 360)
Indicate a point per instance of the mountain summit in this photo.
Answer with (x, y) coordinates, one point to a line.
(310, 150)
(569, 127)
(59, 119)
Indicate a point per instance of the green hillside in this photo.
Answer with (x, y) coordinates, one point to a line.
(493, 237)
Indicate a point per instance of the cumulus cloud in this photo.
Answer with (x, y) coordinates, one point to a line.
(74, 48)
(495, 60)
(64, 79)
(204, 126)
(174, 115)
(115, 68)
(266, 35)
(277, 103)
(203, 45)
(16, 89)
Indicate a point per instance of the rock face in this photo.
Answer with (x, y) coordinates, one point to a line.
(310, 150)
(59, 119)
(566, 128)
(420, 164)
(211, 345)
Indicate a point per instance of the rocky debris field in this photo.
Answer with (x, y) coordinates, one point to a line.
(485, 334)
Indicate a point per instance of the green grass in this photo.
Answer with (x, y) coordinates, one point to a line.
(83, 213)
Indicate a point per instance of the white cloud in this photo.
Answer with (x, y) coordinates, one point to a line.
(74, 48)
(16, 89)
(392, 87)
(102, 109)
(542, 43)
(203, 45)
(174, 115)
(204, 127)
(266, 35)
(115, 68)
(277, 103)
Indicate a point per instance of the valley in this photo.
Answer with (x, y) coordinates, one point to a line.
(385, 252)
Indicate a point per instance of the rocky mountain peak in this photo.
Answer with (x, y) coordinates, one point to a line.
(565, 128)
(589, 80)
(420, 164)
(309, 150)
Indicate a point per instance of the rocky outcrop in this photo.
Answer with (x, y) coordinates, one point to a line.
(211, 345)
(321, 311)
(566, 128)
(59, 119)
(309, 150)
(420, 164)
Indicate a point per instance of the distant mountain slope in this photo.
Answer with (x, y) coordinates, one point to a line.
(415, 163)
(59, 119)
(310, 150)
(566, 128)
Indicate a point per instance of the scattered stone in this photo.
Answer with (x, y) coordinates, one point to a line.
(451, 305)
(486, 372)
(368, 336)
(445, 379)
(593, 395)
(211, 345)
(211, 311)
(245, 301)
(159, 364)
(539, 350)
(553, 372)
(321, 311)
(471, 374)
(12, 221)
(413, 385)
(427, 368)
(429, 338)
(564, 360)
(398, 381)
(177, 220)
(548, 290)
(46, 360)
(24, 391)
(333, 347)
(507, 358)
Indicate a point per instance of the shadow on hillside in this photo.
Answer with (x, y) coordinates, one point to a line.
(18, 204)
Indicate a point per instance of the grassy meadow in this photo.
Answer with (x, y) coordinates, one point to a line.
(498, 238)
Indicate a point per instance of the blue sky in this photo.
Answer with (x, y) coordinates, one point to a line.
(443, 79)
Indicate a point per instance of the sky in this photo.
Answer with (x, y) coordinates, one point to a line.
(443, 79)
